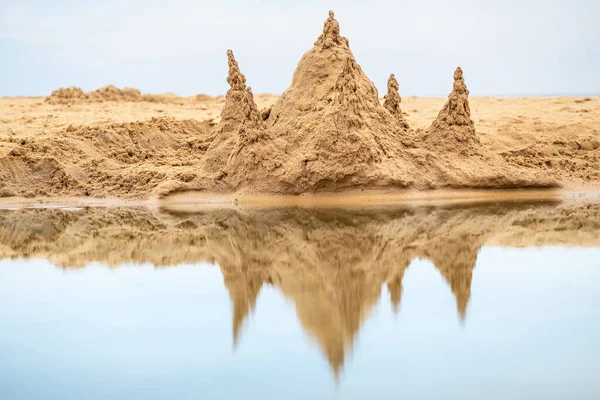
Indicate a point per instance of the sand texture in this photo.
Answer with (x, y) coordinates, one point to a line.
(331, 263)
(328, 132)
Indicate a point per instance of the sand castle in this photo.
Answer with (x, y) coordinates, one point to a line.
(328, 132)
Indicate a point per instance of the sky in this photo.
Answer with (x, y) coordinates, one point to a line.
(505, 47)
(139, 332)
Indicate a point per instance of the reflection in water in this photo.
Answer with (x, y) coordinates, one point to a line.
(331, 263)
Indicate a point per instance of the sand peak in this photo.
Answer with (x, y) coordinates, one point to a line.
(331, 33)
(235, 78)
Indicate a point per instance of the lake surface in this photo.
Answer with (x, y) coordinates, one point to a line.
(489, 301)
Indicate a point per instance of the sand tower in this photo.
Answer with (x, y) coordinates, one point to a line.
(232, 152)
(453, 127)
(392, 100)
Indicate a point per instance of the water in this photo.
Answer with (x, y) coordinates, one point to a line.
(495, 302)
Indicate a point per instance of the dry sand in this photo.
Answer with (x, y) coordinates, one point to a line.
(329, 132)
(548, 134)
(542, 133)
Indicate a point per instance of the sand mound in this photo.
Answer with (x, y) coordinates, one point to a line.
(112, 93)
(131, 160)
(74, 94)
(576, 159)
(333, 129)
(65, 95)
(108, 93)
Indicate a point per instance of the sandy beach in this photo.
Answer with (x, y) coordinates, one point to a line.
(507, 126)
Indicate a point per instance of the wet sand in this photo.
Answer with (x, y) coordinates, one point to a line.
(197, 201)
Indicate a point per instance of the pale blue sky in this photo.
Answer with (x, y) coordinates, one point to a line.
(506, 47)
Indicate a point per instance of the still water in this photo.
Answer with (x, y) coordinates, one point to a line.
(494, 301)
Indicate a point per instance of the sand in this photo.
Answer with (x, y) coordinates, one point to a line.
(329, 132)
(506, 126)
(330, 262)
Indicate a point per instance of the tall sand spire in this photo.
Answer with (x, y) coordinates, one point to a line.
(232, 114)
(235, 78)
(392, 100)
(240, 108)
(235, 157)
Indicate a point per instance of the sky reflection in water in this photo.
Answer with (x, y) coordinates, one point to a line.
(340, 315)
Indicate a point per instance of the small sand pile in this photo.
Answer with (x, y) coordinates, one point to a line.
(107, 93)
(75, 94)
(112, 93)
(66, 95)
(578, 158)
(392, 100)
(453, 127)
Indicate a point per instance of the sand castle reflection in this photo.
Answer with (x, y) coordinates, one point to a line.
(331, 263)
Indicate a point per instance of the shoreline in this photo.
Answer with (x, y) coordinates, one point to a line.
(201, 200)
